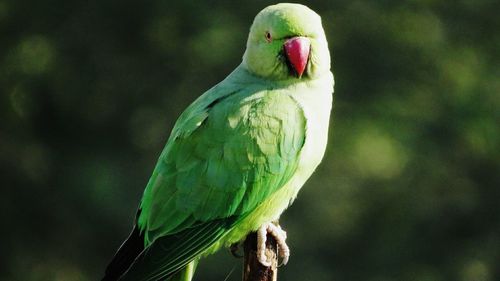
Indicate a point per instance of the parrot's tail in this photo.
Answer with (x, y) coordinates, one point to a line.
(185, 274)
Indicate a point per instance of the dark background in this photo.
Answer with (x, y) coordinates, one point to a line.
(409, 188)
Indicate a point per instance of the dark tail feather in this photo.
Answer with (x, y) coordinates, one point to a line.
(125, 256)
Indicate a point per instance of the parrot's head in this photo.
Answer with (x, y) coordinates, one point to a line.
(287, 41)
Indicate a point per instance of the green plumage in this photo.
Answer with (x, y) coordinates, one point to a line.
(238, 155)
(224, 157)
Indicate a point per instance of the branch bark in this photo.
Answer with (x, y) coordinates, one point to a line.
(253, 270)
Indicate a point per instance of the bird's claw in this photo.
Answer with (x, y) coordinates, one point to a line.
(280, 236)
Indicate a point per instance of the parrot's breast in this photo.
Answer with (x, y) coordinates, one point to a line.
(315, 100)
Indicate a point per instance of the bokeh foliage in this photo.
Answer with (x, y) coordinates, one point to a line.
(409, 188)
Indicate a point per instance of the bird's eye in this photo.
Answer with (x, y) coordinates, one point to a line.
(269, 38)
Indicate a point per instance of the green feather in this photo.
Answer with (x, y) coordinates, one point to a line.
(231, 175)
(169, 254)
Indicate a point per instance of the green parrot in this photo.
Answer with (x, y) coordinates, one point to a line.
(238, 155)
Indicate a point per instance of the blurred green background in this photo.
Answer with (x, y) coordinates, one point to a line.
(409, 188)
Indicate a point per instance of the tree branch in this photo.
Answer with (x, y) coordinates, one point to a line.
(253, 270)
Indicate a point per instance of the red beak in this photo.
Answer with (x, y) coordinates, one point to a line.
(297, 52)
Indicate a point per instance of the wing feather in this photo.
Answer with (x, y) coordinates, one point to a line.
(166, 255)
(228, 152)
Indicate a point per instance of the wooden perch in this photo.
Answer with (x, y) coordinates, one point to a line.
(253, 270)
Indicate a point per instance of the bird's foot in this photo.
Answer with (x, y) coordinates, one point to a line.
(280, 236)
